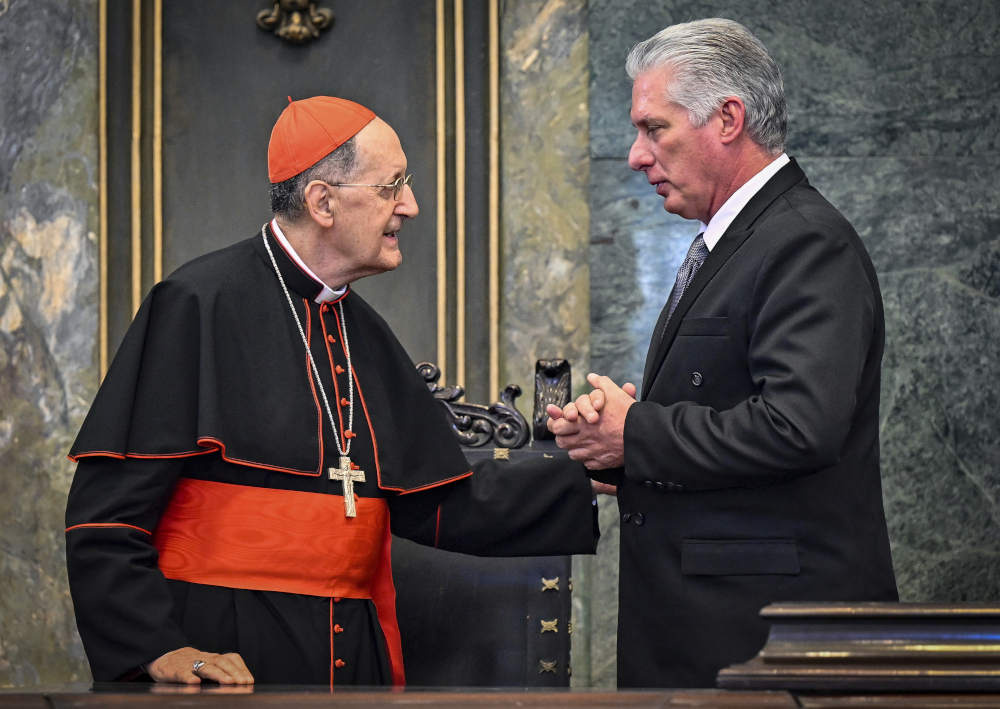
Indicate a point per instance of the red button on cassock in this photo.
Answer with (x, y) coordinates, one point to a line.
(349, 434)
(338, 369)
(338, 629)
(330, 338)
(344, 402)
(339, 663)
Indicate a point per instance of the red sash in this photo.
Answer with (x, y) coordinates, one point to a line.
(281, 540)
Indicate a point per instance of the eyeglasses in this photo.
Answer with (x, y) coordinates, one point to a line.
(397, 185)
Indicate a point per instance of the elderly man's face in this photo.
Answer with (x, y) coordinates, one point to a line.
(677, 158)
(368, 219)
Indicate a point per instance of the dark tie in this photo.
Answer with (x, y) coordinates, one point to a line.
(692, 262)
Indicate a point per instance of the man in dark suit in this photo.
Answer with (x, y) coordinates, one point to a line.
(748, 472)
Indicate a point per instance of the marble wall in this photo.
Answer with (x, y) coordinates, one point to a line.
(544, 176)
(545, 222)
(894, 117)
(48, 319)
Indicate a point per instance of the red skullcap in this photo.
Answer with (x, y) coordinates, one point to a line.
(309, 130)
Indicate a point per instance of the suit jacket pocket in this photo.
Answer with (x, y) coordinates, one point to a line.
(739, 557)
(713, 327)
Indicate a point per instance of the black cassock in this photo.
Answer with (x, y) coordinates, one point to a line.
(202, 514)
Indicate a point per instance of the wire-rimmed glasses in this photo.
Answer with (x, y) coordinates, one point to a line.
(397, 185)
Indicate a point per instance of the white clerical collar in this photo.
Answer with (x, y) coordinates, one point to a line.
(325, 295)
(718, 224)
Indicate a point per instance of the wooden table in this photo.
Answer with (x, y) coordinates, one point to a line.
(85, 696)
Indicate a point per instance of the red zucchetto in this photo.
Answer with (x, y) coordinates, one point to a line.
(309, 130)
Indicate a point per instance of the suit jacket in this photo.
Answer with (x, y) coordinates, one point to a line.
(752, 462)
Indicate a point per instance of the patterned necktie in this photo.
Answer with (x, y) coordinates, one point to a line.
(692, 262)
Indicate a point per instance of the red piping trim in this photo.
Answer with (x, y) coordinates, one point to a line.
(213, 445)
(166, 455)
(331, 644)
(221, 448)
(364, 406)
(119, 456)
(403, 491)
(437, 528)
(333, 371)
(106, 525)
(218, 446)
(95, 454)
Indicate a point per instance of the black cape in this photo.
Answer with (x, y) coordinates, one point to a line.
(240, 383)
(211, 383)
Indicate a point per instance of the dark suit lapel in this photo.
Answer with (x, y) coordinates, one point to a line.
(716, 258)
(655, 340)
(738, 232)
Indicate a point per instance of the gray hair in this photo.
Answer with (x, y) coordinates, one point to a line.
(288, 197)
(712, 60)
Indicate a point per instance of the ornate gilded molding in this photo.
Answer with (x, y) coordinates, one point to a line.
(297, 21)
(475, 424)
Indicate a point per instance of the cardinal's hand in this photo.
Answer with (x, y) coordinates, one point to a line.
(178, 666)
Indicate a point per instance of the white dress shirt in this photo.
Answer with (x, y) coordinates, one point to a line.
(325, 295)
(718, 224)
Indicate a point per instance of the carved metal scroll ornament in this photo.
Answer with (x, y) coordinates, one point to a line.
(297, 21)
(553, 385)
(475, 424)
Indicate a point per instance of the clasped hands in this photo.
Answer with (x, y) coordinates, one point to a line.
(592, 429)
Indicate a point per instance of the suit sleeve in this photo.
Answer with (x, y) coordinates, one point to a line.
(538, 507)
(811, 326)
(122, 602)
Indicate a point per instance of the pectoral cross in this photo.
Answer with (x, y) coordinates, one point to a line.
(348, 476)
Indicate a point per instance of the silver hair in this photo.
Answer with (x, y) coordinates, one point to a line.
(712, 60)
(288, 197)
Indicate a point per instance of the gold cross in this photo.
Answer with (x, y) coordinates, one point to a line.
(348, 477)
(550, 584)
(547, 666)
(549, 626)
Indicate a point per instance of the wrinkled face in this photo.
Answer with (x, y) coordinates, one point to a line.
(368, 219)
(676, 157)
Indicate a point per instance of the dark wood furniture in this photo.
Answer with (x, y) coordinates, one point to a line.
(487, 622)
(484, 622)
(875, 647)
(215, 697)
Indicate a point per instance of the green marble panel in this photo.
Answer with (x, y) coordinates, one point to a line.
(940, 416)
(863, 77)
(545, 299)
(48, 319)
(894, 120)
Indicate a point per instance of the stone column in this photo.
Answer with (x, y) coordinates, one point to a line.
(545, 216)
(545, 171)
(48, 320)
